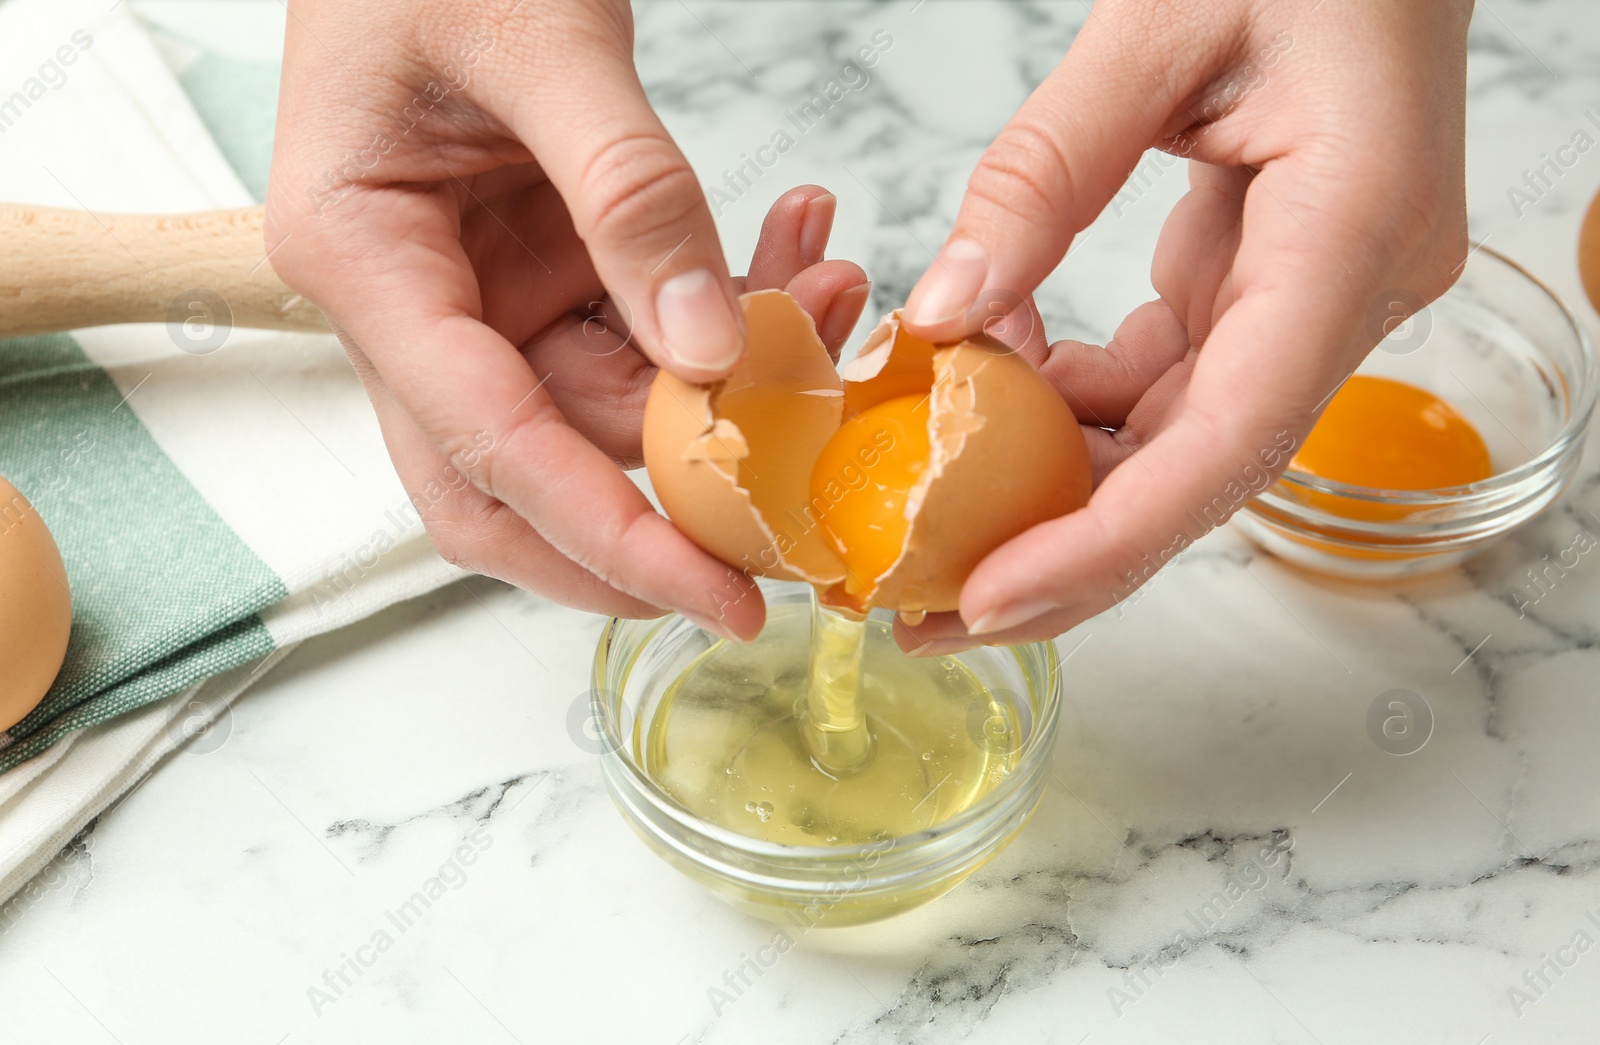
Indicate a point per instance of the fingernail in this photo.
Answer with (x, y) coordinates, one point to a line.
(843, 315)
(950, 287)
(943, 647)
(697, 327)
(712, 624)
(1010, 616)
(815, 228)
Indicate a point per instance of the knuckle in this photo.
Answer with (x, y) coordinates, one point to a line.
(1443, 257)
(1125, 565)
(1425, 237)
(536, 441)
(636, 186)
(360, 362)
(631, 535)
(286, 242)
(304, 249)
(451, 548)
(469, 526)
(482, 468)
(614, 547)
(1025, 173)
(1416, 216)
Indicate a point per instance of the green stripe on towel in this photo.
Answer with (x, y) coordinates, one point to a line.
(238, 103)
(164, 592)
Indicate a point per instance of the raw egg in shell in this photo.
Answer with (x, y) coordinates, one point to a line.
(884, 482)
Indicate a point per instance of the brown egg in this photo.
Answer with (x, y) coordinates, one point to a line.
(1589, 252)
(1007, 455)
(35, 607)
(732, 463)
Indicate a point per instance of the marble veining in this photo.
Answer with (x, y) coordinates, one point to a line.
(1226, 851)
(476, 807)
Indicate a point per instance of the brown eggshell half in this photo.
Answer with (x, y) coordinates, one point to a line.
(1006, 454)
(731, 462)
(35, 607)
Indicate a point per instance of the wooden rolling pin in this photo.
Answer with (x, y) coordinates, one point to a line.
(65, 269)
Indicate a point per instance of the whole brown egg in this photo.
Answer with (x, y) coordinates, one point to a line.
(35, 607)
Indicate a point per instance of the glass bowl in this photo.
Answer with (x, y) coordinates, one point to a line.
(636, 663)
(1502, 349)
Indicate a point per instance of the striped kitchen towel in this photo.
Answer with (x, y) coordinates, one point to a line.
(216, 498)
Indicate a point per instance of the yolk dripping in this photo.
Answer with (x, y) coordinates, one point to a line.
(860, 482)
(1393, 436)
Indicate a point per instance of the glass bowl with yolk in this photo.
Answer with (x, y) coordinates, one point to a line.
(1464, 423)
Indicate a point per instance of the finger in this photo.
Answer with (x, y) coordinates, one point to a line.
(597, 381)
(531, 265)
(1131, 385)
(603, 383)
(943, 634)
(793, 237)
(477, 533)
(1105, 384)
(1160, 404)
(1108, 449)
(411, 302)
(1246, 407)
(934, 636)
(1049, 172)
(834, 292)
(1015, 322)
(788, 255)
(634, 199)
(835, 311)
(1197, 245)
(1106, 452)
(519, 236)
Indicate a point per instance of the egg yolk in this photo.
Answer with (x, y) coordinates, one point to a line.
(860, 482)
(1387, 434)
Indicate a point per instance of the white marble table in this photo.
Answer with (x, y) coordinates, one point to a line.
(1225, 853)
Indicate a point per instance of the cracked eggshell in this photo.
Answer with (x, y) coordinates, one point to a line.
(731, 462)
(1006, 453)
